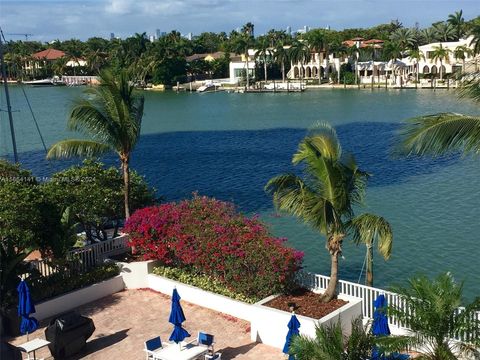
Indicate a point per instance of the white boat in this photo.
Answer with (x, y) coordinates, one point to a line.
(45, 82)
(209, 86)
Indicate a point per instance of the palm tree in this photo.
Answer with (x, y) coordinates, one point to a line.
(263, 50)
(430, 309)
(317, 41)
(112, 117)
(241, 44)
(441, 54)
(404, 37)
(429, 35)
(60, 65)
(462, 52)
(300, 53)
(444, 31)
(330, 343)
(325, 197)
(368, 229)
(282, 56)
(394, 51)
(416, 55)
(457, 21)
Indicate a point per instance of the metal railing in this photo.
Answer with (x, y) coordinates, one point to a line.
(368, 294)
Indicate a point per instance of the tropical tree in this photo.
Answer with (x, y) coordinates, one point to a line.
(241, 44)
(441, 54)
(404, 37)
(317, 41)
(457, 21)
(444, 31)
(430, 309)
(462, 52)
(429, 35)
(282, 56)
(112, 117)
(368, 229)
(416, 55)
(330, 343)
(300, 53)
(393, 51)
(263, 51)
(333, 184)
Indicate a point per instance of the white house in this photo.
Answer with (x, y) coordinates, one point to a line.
(238, 65)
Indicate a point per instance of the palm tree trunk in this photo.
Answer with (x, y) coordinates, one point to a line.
(126, 184)
(283, 71)
(369, 281)
(441, 72)
(331, 291)
(265, 68)
(246, 67)
(319, 72)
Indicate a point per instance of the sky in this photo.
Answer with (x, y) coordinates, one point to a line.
(64, 19)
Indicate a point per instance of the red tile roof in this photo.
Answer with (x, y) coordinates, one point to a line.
(49, 54)
(373, 41)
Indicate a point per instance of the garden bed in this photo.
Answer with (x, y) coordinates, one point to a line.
(305, 302)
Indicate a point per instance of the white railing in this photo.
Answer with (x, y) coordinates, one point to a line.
(368, 294)
(86, 257)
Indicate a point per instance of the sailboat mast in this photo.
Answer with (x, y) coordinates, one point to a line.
(7, 96)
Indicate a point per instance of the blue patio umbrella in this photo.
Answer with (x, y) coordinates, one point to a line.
(293, 329)
(25, 308)
(177, 318)
(380, 324)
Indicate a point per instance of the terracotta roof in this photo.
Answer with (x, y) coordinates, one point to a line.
(49, 54)
(373, 41)
(357, 39)
(215, 55)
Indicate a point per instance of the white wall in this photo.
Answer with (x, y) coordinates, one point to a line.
(239, 65)
(201, 297)
(135, 273)
(74, 299)
(269, 325)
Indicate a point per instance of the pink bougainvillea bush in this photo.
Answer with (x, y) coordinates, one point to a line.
(207, 236)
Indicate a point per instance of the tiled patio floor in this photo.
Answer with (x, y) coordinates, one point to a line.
(125, 320)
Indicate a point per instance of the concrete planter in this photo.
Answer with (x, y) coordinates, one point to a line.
(269, 325)
(134, 274)
(201, 297)
(74, 299)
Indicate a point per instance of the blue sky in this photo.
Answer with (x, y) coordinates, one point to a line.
(63, 19)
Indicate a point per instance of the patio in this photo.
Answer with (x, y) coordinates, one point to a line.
(126, 319)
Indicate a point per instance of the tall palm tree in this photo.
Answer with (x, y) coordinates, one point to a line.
(333, 184)
(300, 53)
(462, 52)
(429, 35)
(444, 31)
(112, 117)
(368, 229)
(317, 42)
(430, 310)
(416, 55)
(263, 51)
(404, 37)
(457, 21)
(282, 56)
(241, 44)
(441, 54)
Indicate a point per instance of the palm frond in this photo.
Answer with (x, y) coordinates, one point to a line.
(369, 227)
(439, 134)
(470, 87)
(77, 148)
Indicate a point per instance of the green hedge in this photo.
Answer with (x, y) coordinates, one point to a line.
(201, 281)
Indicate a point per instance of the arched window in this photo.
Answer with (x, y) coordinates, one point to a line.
(295, 72)
(434, 69)
(308, 72)
(426, 70)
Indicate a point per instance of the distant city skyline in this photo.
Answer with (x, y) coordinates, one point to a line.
(64, 19)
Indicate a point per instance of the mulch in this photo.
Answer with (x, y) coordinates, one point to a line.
(305, 302)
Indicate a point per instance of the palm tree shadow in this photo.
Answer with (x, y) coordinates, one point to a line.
(100, 343)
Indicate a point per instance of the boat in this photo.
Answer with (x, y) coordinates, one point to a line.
(55, 81)
(209, 87)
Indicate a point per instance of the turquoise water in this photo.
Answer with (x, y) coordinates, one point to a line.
(229, 145)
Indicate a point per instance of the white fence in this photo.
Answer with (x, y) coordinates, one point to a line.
(368, 294)
(85, 257)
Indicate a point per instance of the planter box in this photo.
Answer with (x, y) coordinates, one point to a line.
(269, 325)
(135, 273)
(201, 297)
(74, 299)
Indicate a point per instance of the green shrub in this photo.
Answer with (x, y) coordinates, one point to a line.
(44, 288)
(201, 281)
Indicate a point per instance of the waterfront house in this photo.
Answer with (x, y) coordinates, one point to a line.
(239, 65)
(46, 58)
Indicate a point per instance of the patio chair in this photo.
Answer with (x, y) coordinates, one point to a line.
(151, 346)
(206, 340)
(216, 356)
